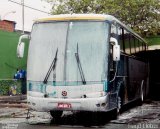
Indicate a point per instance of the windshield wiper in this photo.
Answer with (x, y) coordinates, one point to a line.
(80, 67)
(52, 67)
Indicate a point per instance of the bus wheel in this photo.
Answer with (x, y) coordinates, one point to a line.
(56, 114)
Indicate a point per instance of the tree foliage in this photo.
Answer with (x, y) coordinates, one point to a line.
(143, 16)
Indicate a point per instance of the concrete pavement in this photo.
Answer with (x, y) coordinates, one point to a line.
(146, 116)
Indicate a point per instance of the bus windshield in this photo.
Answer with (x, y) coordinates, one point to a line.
(91, 38)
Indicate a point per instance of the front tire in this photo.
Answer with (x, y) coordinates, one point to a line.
(56, 114)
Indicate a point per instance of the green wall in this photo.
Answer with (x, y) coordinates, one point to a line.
(8, 58)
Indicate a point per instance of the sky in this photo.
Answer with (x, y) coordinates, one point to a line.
(13, 12)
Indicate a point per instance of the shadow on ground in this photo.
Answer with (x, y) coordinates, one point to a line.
(85, 119)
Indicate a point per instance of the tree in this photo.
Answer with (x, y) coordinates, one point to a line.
(143, 16)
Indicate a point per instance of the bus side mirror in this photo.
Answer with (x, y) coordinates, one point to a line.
(20, 50)
(116, 49)
(21, 45)
(116, 53)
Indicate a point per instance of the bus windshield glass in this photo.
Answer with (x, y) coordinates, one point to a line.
(91, 38)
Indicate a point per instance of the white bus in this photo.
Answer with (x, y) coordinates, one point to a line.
(83, 62)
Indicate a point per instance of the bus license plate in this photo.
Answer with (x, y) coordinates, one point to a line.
(64, 105)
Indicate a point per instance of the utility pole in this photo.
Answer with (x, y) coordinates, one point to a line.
(22, 2)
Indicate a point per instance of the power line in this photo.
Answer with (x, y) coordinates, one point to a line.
(30, 7)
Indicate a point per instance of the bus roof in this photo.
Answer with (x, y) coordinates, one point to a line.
(66, 17)
(79, 17)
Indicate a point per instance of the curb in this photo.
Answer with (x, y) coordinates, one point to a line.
(21, 105)
(9, 98)
(18, 101)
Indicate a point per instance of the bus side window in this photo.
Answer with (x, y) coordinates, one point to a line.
(143, 47)
(140, 46)
(112, 64)
(132, 42)
(137, 45)
(111, 58)
(114, 34)
(120, 39)
(113, 31)
(127, 42)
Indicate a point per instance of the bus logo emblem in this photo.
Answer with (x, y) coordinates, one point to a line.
(64, 93)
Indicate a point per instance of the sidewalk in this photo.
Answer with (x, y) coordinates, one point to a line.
(18, 101)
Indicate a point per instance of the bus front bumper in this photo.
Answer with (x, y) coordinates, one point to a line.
(68, 104)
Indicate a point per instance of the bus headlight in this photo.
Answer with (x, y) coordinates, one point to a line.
(103, 105)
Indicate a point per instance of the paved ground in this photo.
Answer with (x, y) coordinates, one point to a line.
(146, 116)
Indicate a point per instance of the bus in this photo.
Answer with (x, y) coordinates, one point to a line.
(84, 62)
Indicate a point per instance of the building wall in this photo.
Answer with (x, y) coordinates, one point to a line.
(7, 25)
